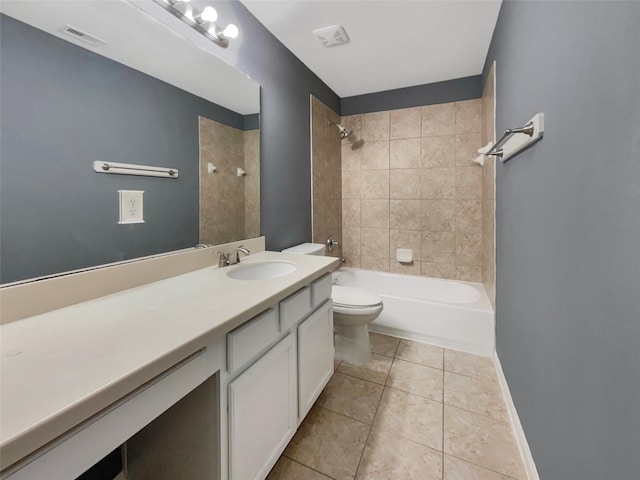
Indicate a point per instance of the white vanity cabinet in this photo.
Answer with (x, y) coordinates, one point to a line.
(216, 392)
(315, 357)
(278, 364)
(263, 412)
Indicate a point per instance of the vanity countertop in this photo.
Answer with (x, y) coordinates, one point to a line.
(61, 367)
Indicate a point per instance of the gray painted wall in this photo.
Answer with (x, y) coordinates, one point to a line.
(64, 107)
(568, 234)
(285, 140)
(466, 88)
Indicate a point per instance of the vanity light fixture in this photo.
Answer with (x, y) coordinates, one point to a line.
(184, 9)
(202, 21)
(209, 14)
(231, 31)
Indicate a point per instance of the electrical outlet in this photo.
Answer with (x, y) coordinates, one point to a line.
(131, 206)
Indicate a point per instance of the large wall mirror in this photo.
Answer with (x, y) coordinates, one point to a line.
(149, 95)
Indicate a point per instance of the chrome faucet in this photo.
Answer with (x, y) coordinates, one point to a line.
(223, 259)
(234, 256)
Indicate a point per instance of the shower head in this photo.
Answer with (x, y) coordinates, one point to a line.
(344, 133)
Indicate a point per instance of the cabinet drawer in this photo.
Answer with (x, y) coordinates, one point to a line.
(295, 308)
(321, 290)
(248, 340)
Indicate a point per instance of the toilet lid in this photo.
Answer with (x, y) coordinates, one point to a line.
(354, 297)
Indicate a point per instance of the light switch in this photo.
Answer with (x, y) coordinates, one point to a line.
(131, 206)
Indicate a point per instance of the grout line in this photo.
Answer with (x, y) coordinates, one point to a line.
(386, 382)
(414, 394)
(395, 352)
(366, 442)
(349, 416)
(482, 466)
(410, 440)
(364, 379)
(480, 414)
(418, 363)
(381, 354)
(465, 374)
(374, 419)
(488, 377)
(310, 468)
(342, 415)
(474, 411)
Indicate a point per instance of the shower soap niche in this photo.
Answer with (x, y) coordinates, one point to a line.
(404, 255)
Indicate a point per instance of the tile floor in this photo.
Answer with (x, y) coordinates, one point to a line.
(414, 412)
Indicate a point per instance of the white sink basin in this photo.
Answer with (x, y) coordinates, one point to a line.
(261, 270)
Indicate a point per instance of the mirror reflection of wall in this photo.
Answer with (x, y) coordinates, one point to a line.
(229, 183)
(137, 99)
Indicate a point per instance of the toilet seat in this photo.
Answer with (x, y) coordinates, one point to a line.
(354, 301)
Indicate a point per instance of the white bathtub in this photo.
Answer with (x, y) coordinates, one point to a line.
(449, 313)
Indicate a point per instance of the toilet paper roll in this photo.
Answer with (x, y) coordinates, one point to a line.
(404, 255)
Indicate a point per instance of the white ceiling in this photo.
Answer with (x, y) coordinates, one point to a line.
(149, 39)
(394, 44)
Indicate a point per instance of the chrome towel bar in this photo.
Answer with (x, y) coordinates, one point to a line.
(131, 169)
(508, 146)
(527, 129)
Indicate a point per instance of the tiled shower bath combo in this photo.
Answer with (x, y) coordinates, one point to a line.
(412, 185)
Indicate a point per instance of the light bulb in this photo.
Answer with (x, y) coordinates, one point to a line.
(231, 31)
(209, 14)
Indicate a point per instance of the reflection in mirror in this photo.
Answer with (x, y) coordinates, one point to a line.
(229, 183)
(140, 97)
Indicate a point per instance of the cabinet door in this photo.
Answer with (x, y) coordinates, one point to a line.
(262, 412)
(315, 356)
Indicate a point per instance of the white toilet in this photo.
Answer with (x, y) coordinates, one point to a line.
(353, 309)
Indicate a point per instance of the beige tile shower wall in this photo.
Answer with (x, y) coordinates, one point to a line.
(326, 175)
(252, 183)
(488, 191)
(408, 182)
(222, 206)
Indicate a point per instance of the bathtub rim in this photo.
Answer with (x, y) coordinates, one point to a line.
(481, 304)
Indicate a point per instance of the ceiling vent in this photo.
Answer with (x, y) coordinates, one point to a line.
(332, 35)
(78, 34)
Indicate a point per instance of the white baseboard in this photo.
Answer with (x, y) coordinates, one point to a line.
(518, 432)
(120, 476)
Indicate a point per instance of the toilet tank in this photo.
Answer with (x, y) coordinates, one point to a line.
(306, 249)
